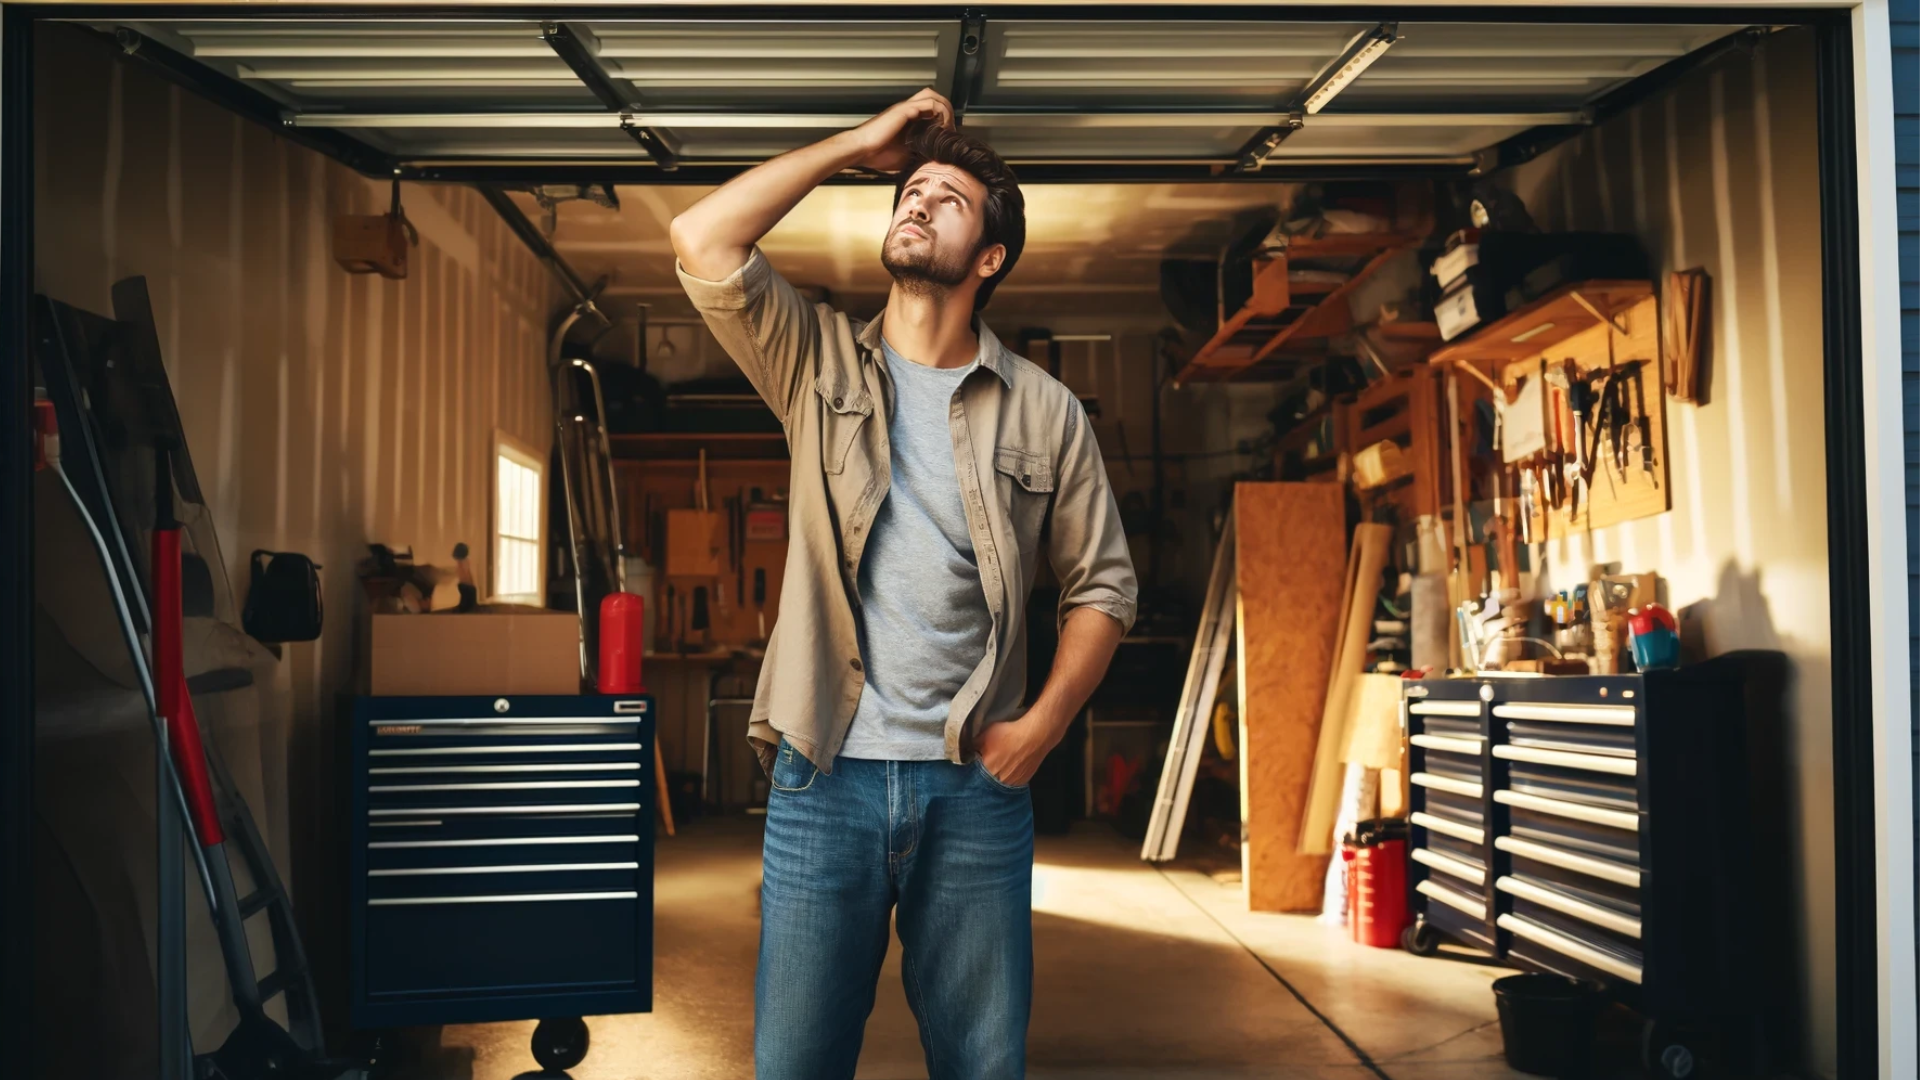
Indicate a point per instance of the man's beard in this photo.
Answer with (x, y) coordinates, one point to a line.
(922, 269)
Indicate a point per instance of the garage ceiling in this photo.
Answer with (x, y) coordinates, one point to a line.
(1093, 251)
(623, 99)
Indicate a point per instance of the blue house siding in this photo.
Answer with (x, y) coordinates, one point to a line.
(1905, 16)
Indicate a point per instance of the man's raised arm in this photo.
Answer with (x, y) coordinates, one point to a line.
(715, 236)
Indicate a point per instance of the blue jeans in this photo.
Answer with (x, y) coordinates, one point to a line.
(949, 851)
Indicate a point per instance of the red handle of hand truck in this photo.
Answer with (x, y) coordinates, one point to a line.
(170, 674)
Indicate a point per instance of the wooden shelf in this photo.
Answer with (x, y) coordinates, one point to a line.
(686, 445)
(1404, 410)
(1408, 332)
(1545, 323)
(709, 657)
(1280, 311)
(1303, 429)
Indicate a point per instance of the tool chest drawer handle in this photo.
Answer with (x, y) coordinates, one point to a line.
(1618, 819)
(1442, 783)
(1567, 760)
(1435, 823)
(1447, 864)
(538, 767)
(1567, 905)
(549, 748)
(1469, 709)
(1567, 860)
(503, 898)
(1608, 715)
(564, 808)
(1565, 945)
(1452, 744)
(1452, 899)
(523, 868)
(508, 721)
(516, 785)
(505, 841)
(502, 721)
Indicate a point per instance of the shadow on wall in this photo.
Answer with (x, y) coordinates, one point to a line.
(1739, 610)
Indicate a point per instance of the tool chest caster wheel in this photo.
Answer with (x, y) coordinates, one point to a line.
(1664, 1052)
(1420, 939)
(559, 1045)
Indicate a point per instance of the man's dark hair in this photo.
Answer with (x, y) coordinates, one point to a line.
(1004, 218)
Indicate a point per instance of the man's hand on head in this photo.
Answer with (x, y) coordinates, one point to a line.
(715, 236)
(883, 139)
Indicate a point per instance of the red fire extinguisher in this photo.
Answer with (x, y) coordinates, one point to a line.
(623, 623)
(1376, 857)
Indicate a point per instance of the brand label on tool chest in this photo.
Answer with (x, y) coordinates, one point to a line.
(397, 729)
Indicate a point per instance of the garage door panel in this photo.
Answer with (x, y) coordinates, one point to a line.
(731, 91)
(1170, 64)
(865, 66)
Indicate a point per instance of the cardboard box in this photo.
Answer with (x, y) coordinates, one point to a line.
(501, 650)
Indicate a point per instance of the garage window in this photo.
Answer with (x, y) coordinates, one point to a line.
(519, 489)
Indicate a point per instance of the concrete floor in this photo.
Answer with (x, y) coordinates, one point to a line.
(1139, 973)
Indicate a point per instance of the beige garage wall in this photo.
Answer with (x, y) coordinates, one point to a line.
(323, 410)
(1722, 173)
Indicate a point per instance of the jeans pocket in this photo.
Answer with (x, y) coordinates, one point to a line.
(792, 771)
(980, 766)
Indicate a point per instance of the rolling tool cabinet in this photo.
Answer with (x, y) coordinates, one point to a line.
(502, 859)
(1597, 827)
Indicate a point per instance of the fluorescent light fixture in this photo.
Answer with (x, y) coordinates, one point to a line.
(1521, 339)
(1358, 56)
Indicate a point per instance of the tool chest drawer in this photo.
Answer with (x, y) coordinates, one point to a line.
(1450, 846)
(1602, 830)
(502, 858)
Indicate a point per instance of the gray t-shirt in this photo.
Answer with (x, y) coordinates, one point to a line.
(924, 621)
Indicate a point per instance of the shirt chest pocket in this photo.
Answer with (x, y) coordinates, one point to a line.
(843, 412)
(1025, 483)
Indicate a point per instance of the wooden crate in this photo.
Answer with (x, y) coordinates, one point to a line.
(1406, 410)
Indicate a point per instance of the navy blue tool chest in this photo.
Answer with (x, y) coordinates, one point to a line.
(1600, 827)
(502, 858)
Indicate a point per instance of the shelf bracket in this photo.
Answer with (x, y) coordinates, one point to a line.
(1467, 366)
(1594, 310)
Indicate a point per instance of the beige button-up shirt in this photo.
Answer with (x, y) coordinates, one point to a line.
(1031, 478)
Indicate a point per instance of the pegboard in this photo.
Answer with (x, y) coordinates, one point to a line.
(651, 492)
(1612, 495)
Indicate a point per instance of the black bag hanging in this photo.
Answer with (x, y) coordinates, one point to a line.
(283, 603)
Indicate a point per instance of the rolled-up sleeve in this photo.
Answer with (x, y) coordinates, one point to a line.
(1086, 544)
(770, 330)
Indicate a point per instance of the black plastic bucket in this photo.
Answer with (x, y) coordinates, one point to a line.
(1547, 1022)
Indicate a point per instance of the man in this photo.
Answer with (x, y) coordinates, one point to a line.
(932, 469)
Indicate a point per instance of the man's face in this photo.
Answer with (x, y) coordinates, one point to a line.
(936, 229)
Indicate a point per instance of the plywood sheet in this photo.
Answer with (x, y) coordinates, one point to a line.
(1292, 549)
